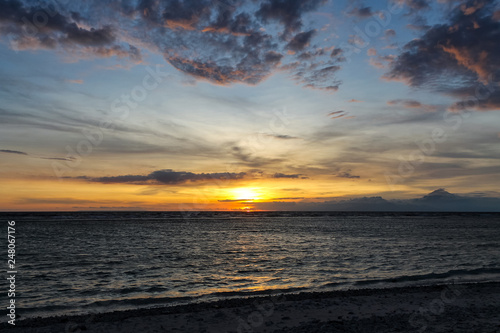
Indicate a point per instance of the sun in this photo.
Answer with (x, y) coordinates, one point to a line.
(245, 193)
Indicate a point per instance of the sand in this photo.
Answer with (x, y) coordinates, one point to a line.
(440, 308)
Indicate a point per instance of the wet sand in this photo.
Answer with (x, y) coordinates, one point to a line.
(440, 308)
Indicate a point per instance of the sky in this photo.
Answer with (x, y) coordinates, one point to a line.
(249, 105)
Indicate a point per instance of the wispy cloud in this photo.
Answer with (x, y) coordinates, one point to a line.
(412, 104)
(347, 174)
(17, 152)
(282, 136)
(7, 151)
(339, 114)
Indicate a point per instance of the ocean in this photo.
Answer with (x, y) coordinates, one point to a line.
(85, 262)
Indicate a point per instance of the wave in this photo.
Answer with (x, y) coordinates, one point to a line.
(432, 276)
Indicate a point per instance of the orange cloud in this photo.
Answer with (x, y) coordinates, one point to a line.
(466, 59)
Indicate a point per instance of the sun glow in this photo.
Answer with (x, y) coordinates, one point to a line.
(246, 193)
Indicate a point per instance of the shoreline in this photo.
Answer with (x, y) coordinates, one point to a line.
(434, 308)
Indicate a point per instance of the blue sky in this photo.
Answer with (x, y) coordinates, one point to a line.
(193, 104)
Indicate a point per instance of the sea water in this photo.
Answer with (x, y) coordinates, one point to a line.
(83, 262)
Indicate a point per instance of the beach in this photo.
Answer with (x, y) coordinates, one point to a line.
(473, 307)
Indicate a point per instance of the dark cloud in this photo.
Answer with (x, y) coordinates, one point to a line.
(417, 4)
(300, 40)
(320, 78)
(12, 152)
(337, 52)
(361, 12)
(31, 26)
(418, 27)
(492, 102)
(185, 14)
(287, 12)
(237, 45)
(436, 201)
(317, 73)
(455, 57)
(282, 136)
(282, 175)
(61, 201)
(272, 57)
(339, 114)
(411, 104)
(390, 33)
(347, 174)
(17, 152)
(218, 73)
(419, 23)
(496, 15)
(167, 177)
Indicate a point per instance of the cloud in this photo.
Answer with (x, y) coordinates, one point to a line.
(390, 33)
(339, 114)
(282, 136)
(7, 151)
(347, 174)
(492, 102)
(242, 41)
(287, 12)
(55, 201)
(377, 64)
(417, 27)
(282, 175)
(456, 56)
(381, 61)
(360, 12)
(34, 26)
(300, 41)
(417, 4)
(17, 152)
(496, 15)
(354, 101)
(412, 104)
(437, 201)
(250, 159)
(371, 52)
(316, 75)
(165, 177)
(65, 201)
